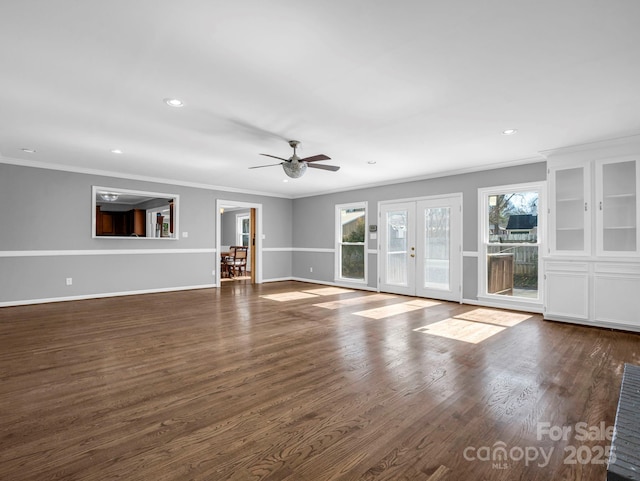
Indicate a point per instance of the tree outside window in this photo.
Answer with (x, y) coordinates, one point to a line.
(352, 253)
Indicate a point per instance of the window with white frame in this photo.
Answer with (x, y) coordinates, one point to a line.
(351, 251)
(242, 229)
(511, 236)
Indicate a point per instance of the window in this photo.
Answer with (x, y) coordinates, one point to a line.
(511, 237)
(242, 230)
(351, 221)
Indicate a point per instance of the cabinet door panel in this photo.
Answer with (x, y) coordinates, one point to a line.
(567, 295)
(617, 212)
(570, 210)
(617, 300)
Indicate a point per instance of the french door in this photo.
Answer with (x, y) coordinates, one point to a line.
(421, 248)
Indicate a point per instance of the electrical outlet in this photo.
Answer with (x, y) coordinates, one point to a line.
(69, 281)
(213, 273)
(185, 235)
(310, 269)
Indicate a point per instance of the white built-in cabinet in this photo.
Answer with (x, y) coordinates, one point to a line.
(592, 267)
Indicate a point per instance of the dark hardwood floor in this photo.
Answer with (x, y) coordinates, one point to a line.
(300, 382)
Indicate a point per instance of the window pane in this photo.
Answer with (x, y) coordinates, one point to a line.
(512, 271)
(436, 249)
(353, 261)
(513, 218)
(397, 251)
(352, 222)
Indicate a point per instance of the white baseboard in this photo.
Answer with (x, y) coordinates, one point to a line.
(27, 302)
(599, 324)
(277, 279)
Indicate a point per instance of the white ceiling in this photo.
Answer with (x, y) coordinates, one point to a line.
(419, 87)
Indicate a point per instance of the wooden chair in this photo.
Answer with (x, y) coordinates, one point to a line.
(240, 260)
(227, 262)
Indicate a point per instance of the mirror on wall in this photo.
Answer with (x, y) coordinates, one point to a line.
(134, 214)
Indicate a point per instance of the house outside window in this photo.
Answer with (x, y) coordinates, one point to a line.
(351, 252)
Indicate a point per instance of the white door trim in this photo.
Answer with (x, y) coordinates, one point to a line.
(258, 235)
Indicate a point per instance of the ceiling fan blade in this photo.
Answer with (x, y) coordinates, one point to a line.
(273, 156)
(332, 168)
(315, 158)
(261, 166)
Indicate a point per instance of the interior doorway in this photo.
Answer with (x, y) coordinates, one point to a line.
(239, 224)
(421, 247)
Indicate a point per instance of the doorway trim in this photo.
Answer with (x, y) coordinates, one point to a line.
(258, 236)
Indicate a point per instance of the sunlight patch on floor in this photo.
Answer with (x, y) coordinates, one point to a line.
(474, 326)
(306, 294)
(492, 316)
(288, 296)
(355, 301)
(461, 330)
(328, 291)
(423, 302)
(395, 309)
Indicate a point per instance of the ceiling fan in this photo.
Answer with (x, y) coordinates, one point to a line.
(295, 167)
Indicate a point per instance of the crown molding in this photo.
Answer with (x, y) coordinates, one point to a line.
(144, 178)
(593, 146)
(435, 175)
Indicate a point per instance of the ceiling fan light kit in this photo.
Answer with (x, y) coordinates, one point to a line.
(295, 167)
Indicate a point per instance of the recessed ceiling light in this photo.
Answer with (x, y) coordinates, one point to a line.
(173, 102)
(371, 162)
(29, 151)
(509, 132)
(285, 180)
(116, 151)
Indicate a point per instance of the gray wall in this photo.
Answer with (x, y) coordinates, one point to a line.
(45, 237)
(314, 218)
(229, 227)
(45, 233)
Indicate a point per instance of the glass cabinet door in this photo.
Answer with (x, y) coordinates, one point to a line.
(617, 210)
(570, 210)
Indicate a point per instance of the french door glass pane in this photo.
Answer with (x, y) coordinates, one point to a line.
(397, 247)
(436, 248)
